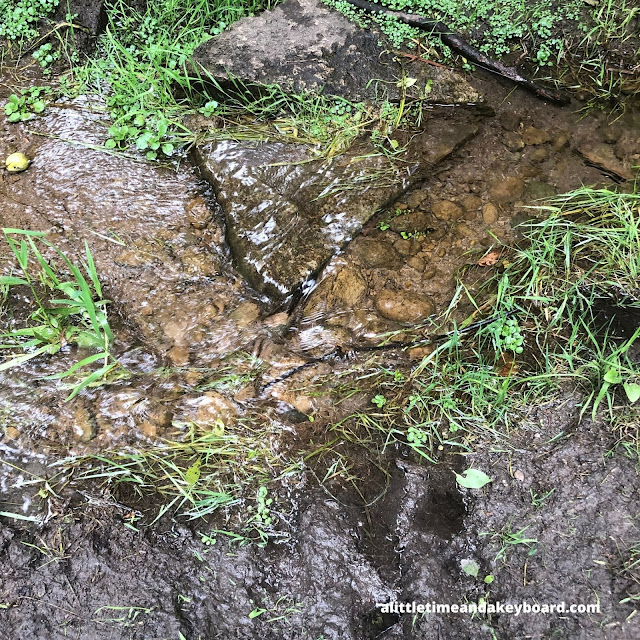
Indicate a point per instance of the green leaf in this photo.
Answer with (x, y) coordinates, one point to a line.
(15, 117)
(192, 474)
(167, 148)
(470, 567)
(78, 365)
(632, 390)
(96, 375)
(613, 376)
(256, 612)
(110, 143)
(472, 479)
(9, 281)
(21, 359)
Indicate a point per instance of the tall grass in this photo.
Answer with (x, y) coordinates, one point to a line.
(69, 308)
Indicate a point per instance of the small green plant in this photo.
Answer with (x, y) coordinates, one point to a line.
(507, 539)
(508, 336)
(23, 107)
(69, 309)
(417, 438)
(46, 56)
(147, 132)
(262, 517)
(19, 19)
(379, 400)
(537, 500)
(209, 108)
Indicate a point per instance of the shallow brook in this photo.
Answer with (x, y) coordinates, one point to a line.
(200, 345)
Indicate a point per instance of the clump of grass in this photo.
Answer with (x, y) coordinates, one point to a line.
(69, 309)
(201, 471)
(556, 300)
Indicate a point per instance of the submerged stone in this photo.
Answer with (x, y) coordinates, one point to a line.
(288, 213)
(304, 46)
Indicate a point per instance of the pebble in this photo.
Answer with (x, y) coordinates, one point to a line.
(533, 136)
(560, 141)
(198, 213)
(417, 263)
(407, 247)
(539, 155)
(245, 313)
(410, 222)
(507, 190)
(447, 210)
(510, 120)
(471, 202)
(489, 213)
(349, 287)
(404, 306)
(374, 254)
(464, 231)
(416, 198)
(513, 141)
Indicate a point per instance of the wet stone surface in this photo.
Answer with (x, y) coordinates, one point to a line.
(287, 214)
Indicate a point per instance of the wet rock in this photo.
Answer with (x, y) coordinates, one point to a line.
(560, 141)
(349, 287)
(417, 263)
(489, 213)
(513, 141)
(464, 231)
(510, 120)
(89, 14)
(199, 213)
(538, 155)
(284, 221)
(447, 210)
(628, 146)
(539, 190)
(534, 136)
(507, 190)
(303, 45)
(277, 320)
(602, 156)
(245, 313)
(374, 254)
(410, 222)
(407, 247)
(403, 306)
(416, 198)
(205, 409)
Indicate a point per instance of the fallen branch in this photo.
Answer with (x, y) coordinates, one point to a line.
(457, 43)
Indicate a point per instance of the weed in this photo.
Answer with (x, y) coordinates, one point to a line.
(507, 538)
(30, 102)
(74, 312)
(194, 475)
(19, 18)
(46, 55)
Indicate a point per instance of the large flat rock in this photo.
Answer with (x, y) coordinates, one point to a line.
(288, 214)
(303, 45)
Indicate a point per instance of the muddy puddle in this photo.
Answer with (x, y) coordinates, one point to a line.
(200, 345)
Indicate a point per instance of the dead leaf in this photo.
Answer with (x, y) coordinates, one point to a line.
(490, 258)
